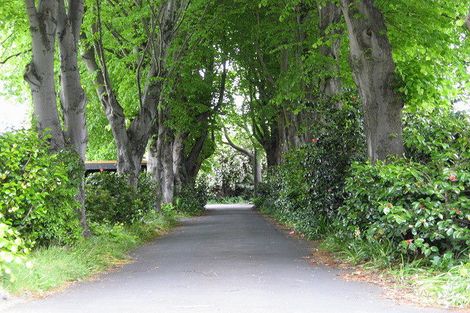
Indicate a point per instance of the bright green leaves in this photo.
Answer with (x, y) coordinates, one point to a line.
(37, 196)
(429, 49)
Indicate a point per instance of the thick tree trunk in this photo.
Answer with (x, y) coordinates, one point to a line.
(272, 147)
(374, 73)
(192, 163)
(40, 71)
(168, 179)
(127, 161)
(154, 166)
(257, 170)
(330, 14)
(73, 98)
(177, 161)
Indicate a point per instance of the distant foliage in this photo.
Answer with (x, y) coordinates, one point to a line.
(110, 198)
(307, 188)
(231, 174)
(37, 194)
(192, 198)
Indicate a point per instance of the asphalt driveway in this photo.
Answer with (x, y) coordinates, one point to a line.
(230, 261)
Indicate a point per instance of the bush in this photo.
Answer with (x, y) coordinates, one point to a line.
(421, 205)
(12, 248)
(306, 190)
(37, 194)
(192, 199)
(110, 198)
(417, 207)
(422, 211)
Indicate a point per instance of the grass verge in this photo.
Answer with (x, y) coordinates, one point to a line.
(51, 268)
(419, 283)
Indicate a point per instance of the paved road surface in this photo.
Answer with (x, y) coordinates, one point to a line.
(229, 261)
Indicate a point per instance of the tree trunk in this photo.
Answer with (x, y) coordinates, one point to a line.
(40, 71)
(73, 98)
(177, 161)
(168, 183)
(330, 85)
(131, 142)
(374, 73)
(257, 170)
(154, 166)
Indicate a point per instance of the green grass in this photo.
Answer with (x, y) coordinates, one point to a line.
(449, 288)
(53, 267)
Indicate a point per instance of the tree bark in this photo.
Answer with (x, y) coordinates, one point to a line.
(374, 73)
(177, 161)
(39, 72)
(73, 99)
(330, 14)
(168, 177)
(154, 166)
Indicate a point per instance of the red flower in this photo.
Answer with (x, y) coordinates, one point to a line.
(409, 241)
(101, 170)
(315, 140)
(453, 178)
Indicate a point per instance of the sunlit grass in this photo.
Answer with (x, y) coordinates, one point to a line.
(53, 267)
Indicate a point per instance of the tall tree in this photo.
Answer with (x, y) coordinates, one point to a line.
(374, 72)
(160, 29)
(40, 71)
(48, 20)
(329, 18)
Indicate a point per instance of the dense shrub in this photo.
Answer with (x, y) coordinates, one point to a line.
(12, 248)
(417, 207)
(37, 194)
(110, 198)
(421, 205)
(420, 210)
(307, 188)
(192, 198)
(439, 136)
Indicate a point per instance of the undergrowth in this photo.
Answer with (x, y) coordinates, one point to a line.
(446, 285)
(52, 267)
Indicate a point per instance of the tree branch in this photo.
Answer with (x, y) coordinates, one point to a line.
(13, 56)
(234, 146)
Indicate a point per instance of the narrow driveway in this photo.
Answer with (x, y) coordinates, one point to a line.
(229, 261)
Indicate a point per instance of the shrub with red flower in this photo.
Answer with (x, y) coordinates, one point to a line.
(453, 178)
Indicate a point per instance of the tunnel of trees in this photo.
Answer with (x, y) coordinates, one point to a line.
(327, 114)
